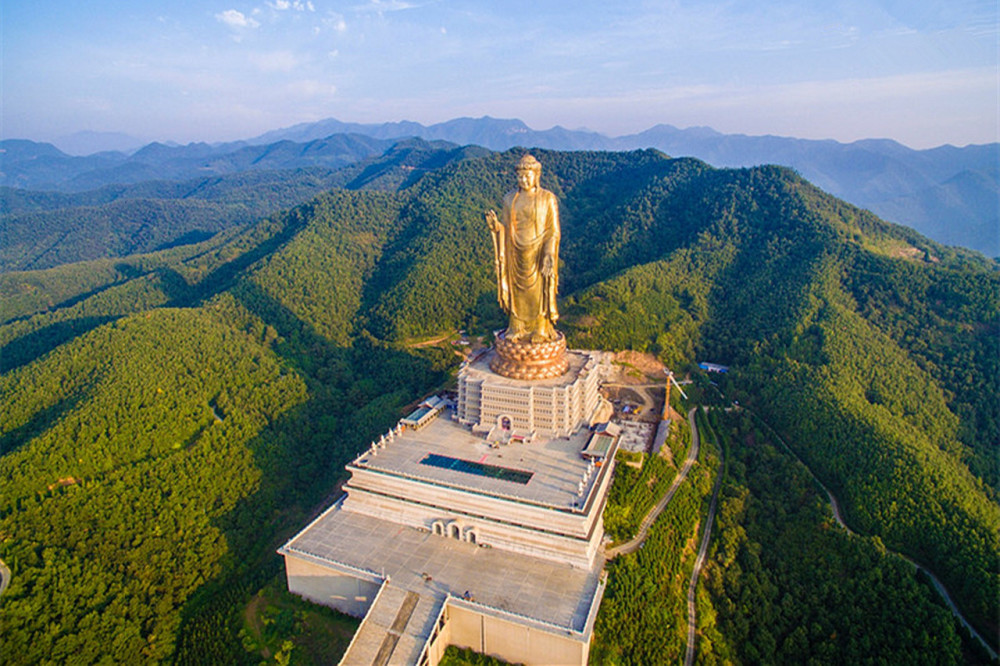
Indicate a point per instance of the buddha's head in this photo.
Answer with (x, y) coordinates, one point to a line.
(529, 170)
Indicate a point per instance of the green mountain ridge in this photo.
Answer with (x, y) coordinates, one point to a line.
(47, 229)
(279, 348)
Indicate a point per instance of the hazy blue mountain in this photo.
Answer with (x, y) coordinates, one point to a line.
(31, 165)
(317, 130)
(42, 166)
(89, 142)
(970, 196)
(406, 163)
(900, 184)
(492, 133)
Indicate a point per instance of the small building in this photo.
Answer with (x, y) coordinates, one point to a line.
(603, 443)
(425, 412)
(714, 367)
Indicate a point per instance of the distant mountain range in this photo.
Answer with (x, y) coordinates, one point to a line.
(88, 143)
(42, 229)
(950, 194)
(42, 166)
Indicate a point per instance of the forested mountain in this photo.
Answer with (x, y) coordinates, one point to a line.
(45, 229)
(949, 194)
(171, 417)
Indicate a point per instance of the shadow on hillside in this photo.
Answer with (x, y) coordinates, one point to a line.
(25, 349)
(225, 275)
(631, 214)
(34, 344)
(179, 293)
(190, 238)
(39, 422)
(128, 273)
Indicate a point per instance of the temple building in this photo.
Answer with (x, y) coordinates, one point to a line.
(476, 524)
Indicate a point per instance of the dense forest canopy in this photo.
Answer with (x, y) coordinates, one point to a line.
(186, 408)
(44, 229)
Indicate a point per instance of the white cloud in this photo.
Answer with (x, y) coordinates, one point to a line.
(236, 19)
(336, 22)
(297, 5)
(380, 6)
(275, 61)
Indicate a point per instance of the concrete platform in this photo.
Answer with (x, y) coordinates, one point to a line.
(555, 595)
(491, 541)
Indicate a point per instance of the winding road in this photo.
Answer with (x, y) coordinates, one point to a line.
(838, 516)
(633, 545)
(700, 560)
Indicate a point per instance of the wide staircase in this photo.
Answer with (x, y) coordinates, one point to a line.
(394, 630)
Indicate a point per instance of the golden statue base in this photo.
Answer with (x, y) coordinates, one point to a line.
(530, 360)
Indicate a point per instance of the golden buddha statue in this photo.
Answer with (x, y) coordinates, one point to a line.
(526, 256)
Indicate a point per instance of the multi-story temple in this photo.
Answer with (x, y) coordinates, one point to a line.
(478, 523)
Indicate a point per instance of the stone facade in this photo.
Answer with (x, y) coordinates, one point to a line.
(572, 535)
(555, 407)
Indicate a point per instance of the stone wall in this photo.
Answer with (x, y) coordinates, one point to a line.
(348, 594)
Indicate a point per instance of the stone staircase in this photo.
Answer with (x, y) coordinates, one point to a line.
(394, 630)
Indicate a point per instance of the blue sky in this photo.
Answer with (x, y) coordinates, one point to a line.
(923, 72)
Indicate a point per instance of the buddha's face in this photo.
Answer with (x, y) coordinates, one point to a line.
(527, 179)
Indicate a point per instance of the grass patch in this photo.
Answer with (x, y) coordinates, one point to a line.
(456, 656)
(281, 627)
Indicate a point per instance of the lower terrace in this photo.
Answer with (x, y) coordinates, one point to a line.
(552, 594)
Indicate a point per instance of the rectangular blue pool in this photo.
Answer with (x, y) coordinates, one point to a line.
(479, 469)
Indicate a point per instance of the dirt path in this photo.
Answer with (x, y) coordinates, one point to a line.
(433, 341)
